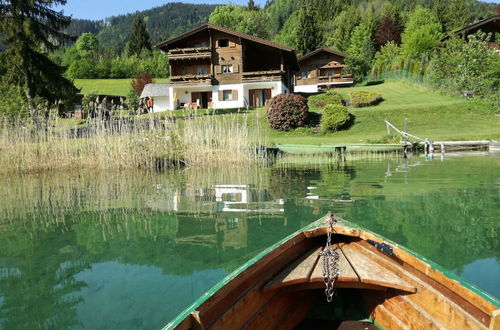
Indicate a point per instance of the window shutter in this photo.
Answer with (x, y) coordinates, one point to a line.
(216, 43)
(221, 95)
(236, 68)
(218, 69)
(235, 95)
(232, 44)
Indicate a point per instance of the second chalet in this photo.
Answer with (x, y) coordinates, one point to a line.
(322, 69)
(214, 67)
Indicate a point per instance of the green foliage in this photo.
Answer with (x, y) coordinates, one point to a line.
(139, 38)
(458, 15)
(287, 35)
(308, 34)
(87, 45)
(422, 33)
(361, 51)
(279, 11)
(364, 98)
(12, 102)
(241, 19)
(471, 65)
(321, 100)
(132, 102)
(154, 63)
(385, 58)
(339, 33)
(31, 29)
(287, 111)
(335, 117)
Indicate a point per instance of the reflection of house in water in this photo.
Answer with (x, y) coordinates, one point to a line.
(221, 198)
(229, 197)
(225, 232)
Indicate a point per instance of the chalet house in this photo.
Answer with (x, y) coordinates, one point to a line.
(489, 25)
(214, 67)
(321, 69)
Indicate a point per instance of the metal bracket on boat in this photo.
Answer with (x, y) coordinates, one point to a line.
(382, 247)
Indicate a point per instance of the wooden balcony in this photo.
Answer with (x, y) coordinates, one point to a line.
(198, 79)
(257, 76)
(190, 53)
(337, 79)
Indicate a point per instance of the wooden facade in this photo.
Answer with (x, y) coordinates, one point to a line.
(321, 68)
(210, 56)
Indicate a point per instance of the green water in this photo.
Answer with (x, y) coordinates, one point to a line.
(131, 250)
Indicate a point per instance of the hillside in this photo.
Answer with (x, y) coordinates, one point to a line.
(162, 22)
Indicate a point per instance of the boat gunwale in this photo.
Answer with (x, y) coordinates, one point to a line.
(315, 229)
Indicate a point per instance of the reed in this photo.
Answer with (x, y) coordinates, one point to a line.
(148, 143)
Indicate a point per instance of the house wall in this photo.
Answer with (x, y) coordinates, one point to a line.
(183, 94)
(306, 88)
(161, 103)
(231, 55)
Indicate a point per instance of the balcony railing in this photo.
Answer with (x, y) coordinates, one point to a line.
(189, 53)
(346, 78)
(192, 79)
(273, 75)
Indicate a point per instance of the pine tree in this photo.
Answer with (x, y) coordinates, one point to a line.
(251, 5)
(308, 32)
(31, 29)
(459, 15)
(139, 37)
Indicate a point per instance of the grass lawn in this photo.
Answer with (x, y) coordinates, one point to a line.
(107, 86)
(430, 115)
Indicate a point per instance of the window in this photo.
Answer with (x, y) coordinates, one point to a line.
(227, 95)
(223, 43)
(227, 69)
(306, 74)
(201, 70)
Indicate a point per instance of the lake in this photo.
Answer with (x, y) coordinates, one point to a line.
(130, 250)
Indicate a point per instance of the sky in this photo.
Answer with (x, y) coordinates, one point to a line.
(99, 9)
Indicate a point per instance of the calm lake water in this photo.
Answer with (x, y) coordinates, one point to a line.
(131, 250)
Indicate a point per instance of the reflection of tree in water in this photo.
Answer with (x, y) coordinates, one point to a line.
(452, 229)
(39, 287)
(291, 182)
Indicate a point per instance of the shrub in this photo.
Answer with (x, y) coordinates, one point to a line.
(335, 117)
(320, 100)
(364, 98)
(287, 111)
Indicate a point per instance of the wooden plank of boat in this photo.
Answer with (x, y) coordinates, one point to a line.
(346, 272)
(370, 272)
(298, 272)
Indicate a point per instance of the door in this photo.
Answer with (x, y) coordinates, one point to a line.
(259, 97)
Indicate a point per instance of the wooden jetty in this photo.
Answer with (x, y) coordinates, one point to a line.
(377, 283)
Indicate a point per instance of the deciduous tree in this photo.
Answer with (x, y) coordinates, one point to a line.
(422, 33)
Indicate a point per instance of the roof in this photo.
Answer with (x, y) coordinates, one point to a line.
(164, 45)
(322, 49)
(152, 90)
(475, 25)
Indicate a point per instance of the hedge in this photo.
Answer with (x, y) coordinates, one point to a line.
(364, 98)
(335, 117)
(287, 111)
(320, 100)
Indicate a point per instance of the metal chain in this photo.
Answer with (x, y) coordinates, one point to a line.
(330, 262)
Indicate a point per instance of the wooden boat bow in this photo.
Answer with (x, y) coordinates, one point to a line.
(281, 285)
